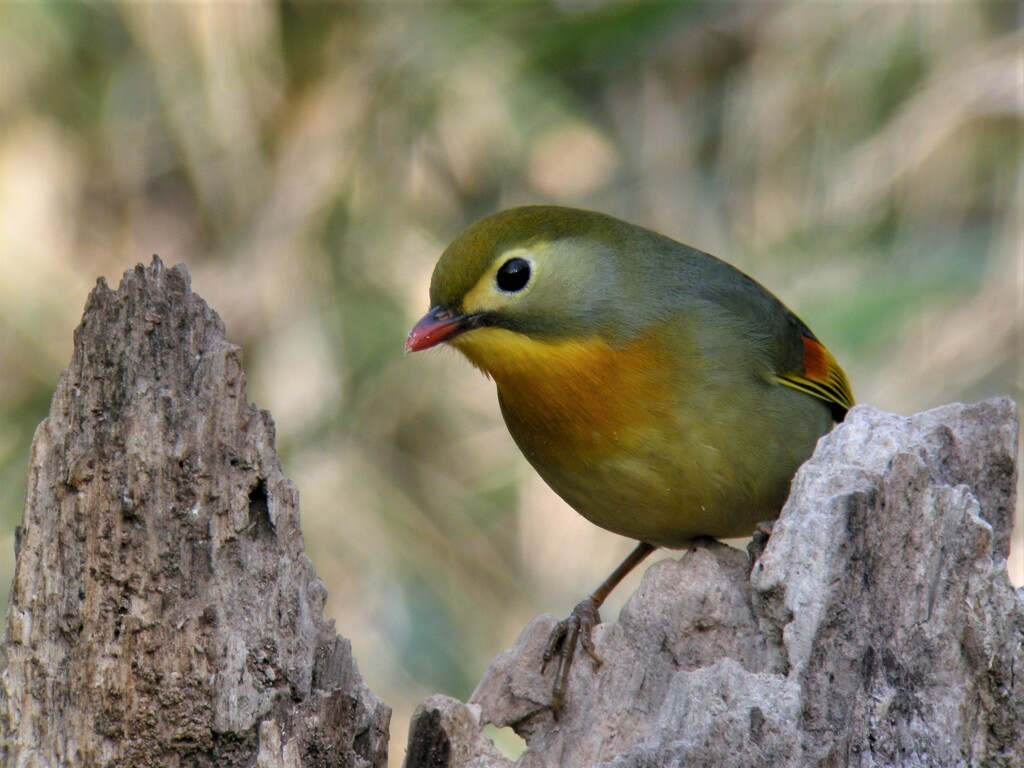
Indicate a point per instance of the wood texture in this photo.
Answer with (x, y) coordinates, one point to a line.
(163, 612)
(879, 628)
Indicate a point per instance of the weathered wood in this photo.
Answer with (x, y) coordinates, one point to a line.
(879, 628)
(163, 612)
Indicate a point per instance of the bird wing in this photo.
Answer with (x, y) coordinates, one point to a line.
(820, 376)
(770, 335)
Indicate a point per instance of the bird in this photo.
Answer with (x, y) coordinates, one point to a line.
(665, 395)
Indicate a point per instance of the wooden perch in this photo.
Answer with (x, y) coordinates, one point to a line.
(880, 628)
(163, 612)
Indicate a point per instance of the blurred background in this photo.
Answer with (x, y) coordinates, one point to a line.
(310, 162)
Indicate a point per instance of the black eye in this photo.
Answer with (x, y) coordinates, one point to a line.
(514, 275)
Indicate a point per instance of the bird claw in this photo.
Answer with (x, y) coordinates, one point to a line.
(759, 542)
(561, 645)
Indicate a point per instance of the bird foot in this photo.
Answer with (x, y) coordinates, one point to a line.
(759, 542)
(562, 647)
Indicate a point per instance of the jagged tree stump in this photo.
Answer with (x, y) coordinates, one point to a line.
(163, 612)
(880, 628)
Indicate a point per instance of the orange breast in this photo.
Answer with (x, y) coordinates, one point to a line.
(571, 402)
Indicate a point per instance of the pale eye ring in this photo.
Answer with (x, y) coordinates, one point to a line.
(514, 275)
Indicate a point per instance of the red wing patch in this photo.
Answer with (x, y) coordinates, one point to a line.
(821, 377)
(815, 360)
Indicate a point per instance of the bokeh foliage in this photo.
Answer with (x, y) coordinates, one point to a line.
(308, 162)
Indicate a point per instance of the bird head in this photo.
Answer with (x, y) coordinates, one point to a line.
(545, 272)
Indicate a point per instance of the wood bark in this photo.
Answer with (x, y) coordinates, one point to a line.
(163, 612)
(879, 628)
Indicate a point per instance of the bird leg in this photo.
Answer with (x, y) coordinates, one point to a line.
(759, 541)
(579, 626)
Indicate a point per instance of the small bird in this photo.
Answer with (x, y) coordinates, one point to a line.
(664, 394)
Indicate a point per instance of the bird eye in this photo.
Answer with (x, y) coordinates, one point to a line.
(514, 275)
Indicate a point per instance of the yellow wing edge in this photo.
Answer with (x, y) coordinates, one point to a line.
(821, 378)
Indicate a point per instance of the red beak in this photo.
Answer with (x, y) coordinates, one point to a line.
(435, 326)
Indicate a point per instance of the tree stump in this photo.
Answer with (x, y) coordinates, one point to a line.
(879, 628)
(163, 612)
